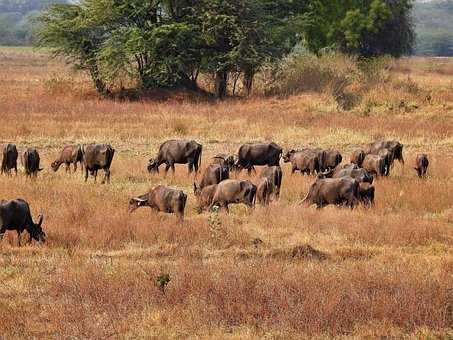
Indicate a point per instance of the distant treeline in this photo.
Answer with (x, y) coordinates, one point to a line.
(434, 28)
(16, 20)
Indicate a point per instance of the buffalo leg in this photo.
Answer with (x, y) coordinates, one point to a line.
(75, 167)
(67, 166)
(173, 168)
(18, 237)
(86, 174)
(2, 233)
(167, 167)
(189, 168)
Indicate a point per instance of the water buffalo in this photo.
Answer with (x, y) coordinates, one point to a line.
(234, 191)
(331, 159)
(161, 198)
(305, 161)
(350, 170)
(174, 152)
(339, 191)
(204, 196)
(375, 165)
(30, 161)
(71, 154)
(395, 147)
(15, 215)
(275, 175)
(95, 157)
(357, 157)
(421, 165)
(225, 160)
(388, 159)
(214, 174)
(250, 155)
(366, 194)
(9, 160)
(264, 190)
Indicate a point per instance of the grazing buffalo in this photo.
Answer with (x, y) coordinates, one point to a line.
(214, 174)
(350, 170)
(250, 155)
(174, 152)
(9, 160)
(421, 165)
(305, 161)
(388, 159)
(225, 160)
(375, 165)
(15, 215)
(366, 194)
(339, 191)
(331, 159)
(161, 198)
(71, 154)
(357, 157)
(30, 161)
(204, 196)
(275, 175)
(264, 190)
(233, 191)
(395, 147)
(96, 157)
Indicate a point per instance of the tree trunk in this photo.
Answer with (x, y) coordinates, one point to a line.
(221, 80)
(248, 81)
(99, 84)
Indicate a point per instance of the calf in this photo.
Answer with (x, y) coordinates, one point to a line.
(357, 157)
(421, 165)
(366, 194)
(375, 165)
(71, 154)
(232, 191)
(9, 160)
(275, 175)
(30, 161)
(264, 189)
(214, 174)
(15, 215)
(161, 198)
(204, 196)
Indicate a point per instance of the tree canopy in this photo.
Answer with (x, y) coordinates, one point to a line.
(169, 43)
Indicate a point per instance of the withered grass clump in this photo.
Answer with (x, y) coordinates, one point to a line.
(281, 271)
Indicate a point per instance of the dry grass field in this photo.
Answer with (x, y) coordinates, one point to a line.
(380, 272)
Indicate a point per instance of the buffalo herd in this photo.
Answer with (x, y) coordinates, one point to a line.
(334, 183)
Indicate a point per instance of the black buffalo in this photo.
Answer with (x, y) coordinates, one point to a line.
(9, 160)
(15, 215)
(339, 191)
(174, 152)
(250, 155)
(96, 157)
(30, 161)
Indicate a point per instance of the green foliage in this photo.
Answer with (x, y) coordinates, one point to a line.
(168, 43)
(363, 27)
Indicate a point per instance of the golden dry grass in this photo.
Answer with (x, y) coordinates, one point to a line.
(387, 271)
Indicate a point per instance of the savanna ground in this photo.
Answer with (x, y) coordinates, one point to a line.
(386, 271)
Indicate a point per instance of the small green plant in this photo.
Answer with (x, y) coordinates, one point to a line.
(162, 281)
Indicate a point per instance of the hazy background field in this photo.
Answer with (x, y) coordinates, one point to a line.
(380, 272)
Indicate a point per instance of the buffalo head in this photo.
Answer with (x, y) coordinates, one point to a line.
(55, 165)
(287, 156)
(36, 231)
(135, 203)
(153, 165)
